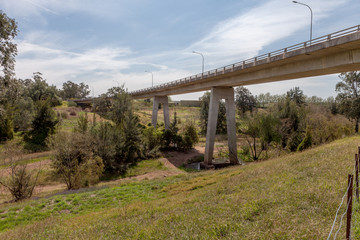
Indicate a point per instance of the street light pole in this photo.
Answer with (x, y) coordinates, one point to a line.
(311, 12)
(203, 60)
(152, 78)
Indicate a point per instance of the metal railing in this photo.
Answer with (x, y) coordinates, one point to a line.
(261, 59)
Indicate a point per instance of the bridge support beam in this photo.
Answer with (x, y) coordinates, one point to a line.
(218, 93)
(165, 103)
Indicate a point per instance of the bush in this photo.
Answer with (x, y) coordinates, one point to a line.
(17, 178)
(64, 115)
(118, 145)
(71, 104)
(190, 130)
(74, 160)
(6, 128)
(82, 123)
(294, 141)
(42, 126)
(306, 142)
(151, 142)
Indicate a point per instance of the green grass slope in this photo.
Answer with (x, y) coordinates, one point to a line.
(292, 197)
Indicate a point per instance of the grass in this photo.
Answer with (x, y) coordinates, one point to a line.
(291, 197)
(356, 221)
(27, 161)
(145, 166)
(183, 114)
(76, 203)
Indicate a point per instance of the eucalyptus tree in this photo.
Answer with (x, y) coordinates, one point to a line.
(8, 89)
(349, 96)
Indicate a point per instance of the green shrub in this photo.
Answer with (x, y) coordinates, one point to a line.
(6, 128)
(190, 130)
(294, 141)
(306, 142)
(74, 160)
(42, 126)
(118, 145)
(151, 142)
(17, 178)
(245, 154)
(64, 115)
(82, 124)
(167, 139)
(71, 104)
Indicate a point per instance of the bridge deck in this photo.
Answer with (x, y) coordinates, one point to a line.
(332, 53)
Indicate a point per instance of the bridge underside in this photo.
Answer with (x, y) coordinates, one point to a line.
(334, 56)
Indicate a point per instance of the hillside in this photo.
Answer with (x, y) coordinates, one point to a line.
(291, 197)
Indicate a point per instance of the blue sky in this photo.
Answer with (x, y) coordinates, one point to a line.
(106, 42)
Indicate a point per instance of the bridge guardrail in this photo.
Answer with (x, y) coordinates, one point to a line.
(251, 61)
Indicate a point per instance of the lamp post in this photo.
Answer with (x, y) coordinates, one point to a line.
(311, 12)
(152, 78)
(202, 59)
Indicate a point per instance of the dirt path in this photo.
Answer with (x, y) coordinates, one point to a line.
(172, 160)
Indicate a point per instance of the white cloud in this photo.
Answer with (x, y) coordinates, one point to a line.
(61, 64)
(31, 8)
(245, 35)
(234, 39)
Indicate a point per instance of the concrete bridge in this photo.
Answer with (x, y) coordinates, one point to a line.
(333, 53)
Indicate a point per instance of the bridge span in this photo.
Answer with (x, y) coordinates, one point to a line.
(333, 53)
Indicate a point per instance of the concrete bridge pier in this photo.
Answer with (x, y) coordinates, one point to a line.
(165, 103)
(218, 93)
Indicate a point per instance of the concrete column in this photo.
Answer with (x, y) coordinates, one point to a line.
(218, 93)
(231, 126)
(164, 101)
(155, 111)
(166, 112)
(211, 127)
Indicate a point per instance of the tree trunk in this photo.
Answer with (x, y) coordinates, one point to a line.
(357, 125)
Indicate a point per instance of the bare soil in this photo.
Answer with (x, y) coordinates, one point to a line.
(172, 160)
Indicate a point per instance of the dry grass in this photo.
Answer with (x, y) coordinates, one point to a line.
(291, 197)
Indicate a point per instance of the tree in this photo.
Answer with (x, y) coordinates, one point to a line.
(118, 144)
(292, 126)
(296, 95)
(114, 104)
(349, 96)
(263, 99)
(74, 160)
(39, 90)
(8, 85)
(204, 114)
(74, 90)
(6, 126)
(260, 132)
(8, 51)
(244, 100)
(23, 113)
(42, 126)
(332, 105)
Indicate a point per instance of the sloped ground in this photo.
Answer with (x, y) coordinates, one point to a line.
(292, 197)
